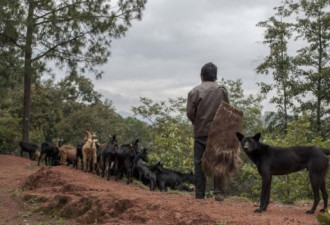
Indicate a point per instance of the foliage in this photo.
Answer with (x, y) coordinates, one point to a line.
(75, 34)
(280, 64)
(251, 105)
(173, 147)
(44, 120)
(313, 27)
(132, 128)
(11, 65)
(98, 118)
(247, 183)
(171, 132)
(9, 131)
(70, 33)
(172, 141)
(323, 219)
(301, 79)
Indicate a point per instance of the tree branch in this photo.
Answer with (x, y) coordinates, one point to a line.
(12, 40)
(41, 55)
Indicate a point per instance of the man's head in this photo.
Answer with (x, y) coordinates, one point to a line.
(209, 72)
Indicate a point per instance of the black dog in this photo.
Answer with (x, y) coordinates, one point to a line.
(280, 161)
(30, 148)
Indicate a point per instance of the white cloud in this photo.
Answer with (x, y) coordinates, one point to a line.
(160, 57)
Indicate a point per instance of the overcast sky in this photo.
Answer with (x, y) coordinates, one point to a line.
(161, 56)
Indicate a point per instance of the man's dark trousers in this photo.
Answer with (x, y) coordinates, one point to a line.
(200, 183)
(199, 148)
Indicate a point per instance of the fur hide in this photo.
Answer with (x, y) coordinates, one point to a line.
(221, 158)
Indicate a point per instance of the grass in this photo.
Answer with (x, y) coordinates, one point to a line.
(241, 199)
(140, 184)
(27, 214)
(32, 165)
(221, 223)
(15, 193)
(56, 221)
(303, 201)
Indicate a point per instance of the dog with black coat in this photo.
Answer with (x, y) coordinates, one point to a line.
(52, 153)
(171, 178)
(273, 160)
(30, 148)
(79, 155)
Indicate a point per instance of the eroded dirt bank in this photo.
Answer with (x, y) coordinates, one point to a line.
(44, 195)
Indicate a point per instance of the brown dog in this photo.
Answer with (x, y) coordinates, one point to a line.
(89, 153)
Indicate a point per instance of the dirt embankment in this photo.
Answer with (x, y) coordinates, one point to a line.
(44, 195)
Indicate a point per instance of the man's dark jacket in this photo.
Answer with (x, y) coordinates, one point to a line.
(203, 102)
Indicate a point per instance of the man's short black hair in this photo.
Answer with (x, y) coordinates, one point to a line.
(209, 72)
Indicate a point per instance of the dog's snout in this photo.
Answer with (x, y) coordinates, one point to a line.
(246, 146)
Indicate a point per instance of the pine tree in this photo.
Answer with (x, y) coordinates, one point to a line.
(72, 33)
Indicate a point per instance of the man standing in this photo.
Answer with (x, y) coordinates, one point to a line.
(203, 102)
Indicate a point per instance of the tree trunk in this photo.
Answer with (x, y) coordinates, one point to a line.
(28, 73)
(319, 80)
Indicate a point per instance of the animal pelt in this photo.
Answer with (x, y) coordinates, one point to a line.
(221, 158)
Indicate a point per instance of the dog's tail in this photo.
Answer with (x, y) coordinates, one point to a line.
(326, 151)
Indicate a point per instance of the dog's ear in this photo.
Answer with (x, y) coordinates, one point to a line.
(239, 136)
(257, 137)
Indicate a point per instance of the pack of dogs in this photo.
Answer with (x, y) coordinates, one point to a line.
(128, 160)
(111, 160)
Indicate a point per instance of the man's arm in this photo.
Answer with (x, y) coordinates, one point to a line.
(225, 95)
(191, 107)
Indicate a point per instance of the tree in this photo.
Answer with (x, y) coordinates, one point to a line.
(76, 91)
(81, 108)
(46, 107)
(313, 27)
(74, 33)
(251, 105)
(279, 64)
(9, 125)
(10, 64)
(98, 118)
(171, 132)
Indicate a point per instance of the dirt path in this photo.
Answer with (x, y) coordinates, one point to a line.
(51, 194)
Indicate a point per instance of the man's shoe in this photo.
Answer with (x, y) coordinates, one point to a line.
(218, 197)
(200, 197)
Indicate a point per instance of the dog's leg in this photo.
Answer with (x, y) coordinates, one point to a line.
(46, 159)
(40, 158)
(267, 197)
(84, 160)
(30, 155)
(325, 195)
(94, 160)
(266, 182)
(103, 159)
(315, 182)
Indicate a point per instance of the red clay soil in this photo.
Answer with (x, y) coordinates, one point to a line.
(32, 195)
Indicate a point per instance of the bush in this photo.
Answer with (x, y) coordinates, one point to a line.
(9, 133)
